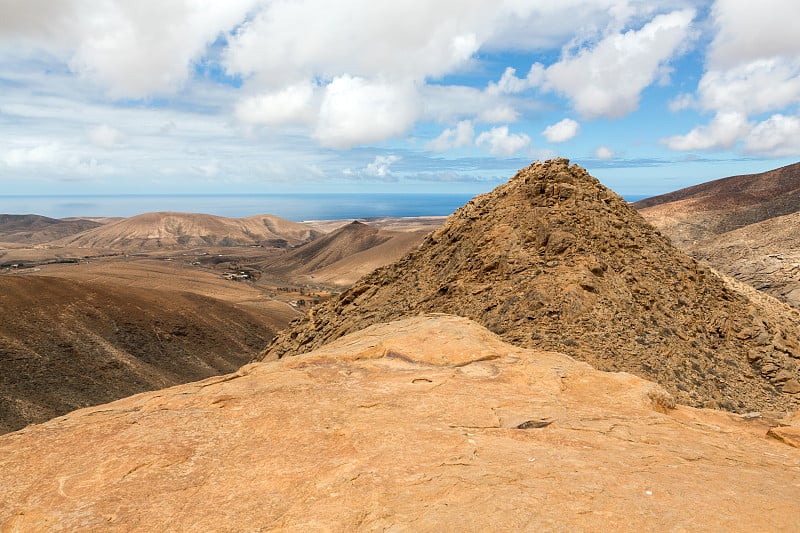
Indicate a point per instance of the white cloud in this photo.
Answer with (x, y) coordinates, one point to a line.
(293, 104)
(724, 130)
(749, 31)
(450, 138)
(41, 154)
(104, 136)
(499, 113)
(561, 131)
(408, 40)
(681, 102)
(753, 87)
(501, 143)
(381, 166)
(604, 153)
(752, 68)
(357, 111)
(509, 83)
(607, 80)
(777, 136)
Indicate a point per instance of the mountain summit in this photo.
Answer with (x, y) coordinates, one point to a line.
(553, 259)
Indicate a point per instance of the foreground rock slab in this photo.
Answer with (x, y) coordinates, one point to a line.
(426, 424)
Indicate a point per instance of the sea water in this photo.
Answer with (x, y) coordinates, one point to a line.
(296, 207)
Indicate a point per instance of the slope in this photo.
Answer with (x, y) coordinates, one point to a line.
(702, 211)
(36, 229)
(426, 424)
(163, 229)
(554, 260)
(345, 254)
(66, 344)
(765, 255)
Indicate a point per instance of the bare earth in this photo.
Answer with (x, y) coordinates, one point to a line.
(745, 226)
(427, 424)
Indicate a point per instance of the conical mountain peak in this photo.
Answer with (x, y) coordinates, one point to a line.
(553, 259)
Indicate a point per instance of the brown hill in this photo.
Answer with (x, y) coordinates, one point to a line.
(428, 424)
(765, 255)
(702, 211)
(554, 260)
(344, 255)
(66, 344)
(36, 229)
(157, 230)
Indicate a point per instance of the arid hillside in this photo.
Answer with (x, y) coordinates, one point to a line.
(765, 255)
(743, 226)
(703, 211)
(36, 229)
(163, 230)
(344, 255)
(554, 260)
(67, 344)
(425, 424)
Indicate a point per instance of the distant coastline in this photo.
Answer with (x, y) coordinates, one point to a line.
(297, 207)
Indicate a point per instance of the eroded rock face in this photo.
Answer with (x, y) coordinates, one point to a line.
(431, 423)
(554, 260)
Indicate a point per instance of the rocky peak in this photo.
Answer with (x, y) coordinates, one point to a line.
(553, 259)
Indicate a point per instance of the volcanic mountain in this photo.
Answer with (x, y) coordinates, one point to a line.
(700, 212)
(67, 344)
(157, 230)
(344, 255)
(554, 260)
(36, 229)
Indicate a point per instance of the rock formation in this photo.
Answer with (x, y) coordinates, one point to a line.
(554, 260)
(429, 424)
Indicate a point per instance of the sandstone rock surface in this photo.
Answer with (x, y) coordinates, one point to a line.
(554, 260)
(427, 424)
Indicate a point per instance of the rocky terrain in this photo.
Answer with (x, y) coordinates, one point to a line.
(67, 344)
(160, 230)
(428, 424)
(744, 226)
(554, 260)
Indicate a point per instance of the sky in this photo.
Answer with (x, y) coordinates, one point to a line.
(451, 96)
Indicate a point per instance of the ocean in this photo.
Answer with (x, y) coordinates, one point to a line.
(297, 207)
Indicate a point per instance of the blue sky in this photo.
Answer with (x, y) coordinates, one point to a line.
(258, 96)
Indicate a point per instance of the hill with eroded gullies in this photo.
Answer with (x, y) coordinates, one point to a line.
(36, 229)
(344, 255)
(744, 226)
(709, 209)
(164, 230)
(67, 344)
(554, 260)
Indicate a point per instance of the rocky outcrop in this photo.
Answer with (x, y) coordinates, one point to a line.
(428, 424)
(554, 260)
